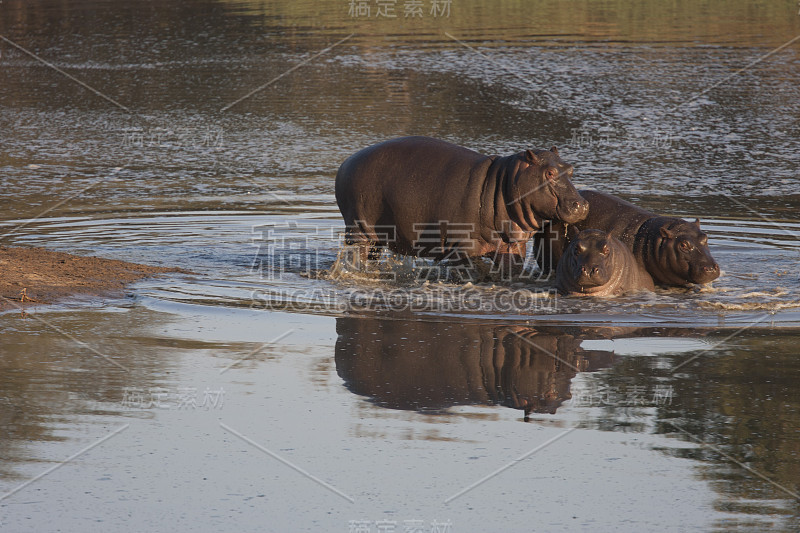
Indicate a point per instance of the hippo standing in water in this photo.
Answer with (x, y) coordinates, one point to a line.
(597, 264)
(429, 198)
(673, 251)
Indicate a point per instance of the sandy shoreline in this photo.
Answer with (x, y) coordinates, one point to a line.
(39, 276)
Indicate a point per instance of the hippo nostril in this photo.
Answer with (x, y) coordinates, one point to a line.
(595, 271)
(578, 207)
(713, 268)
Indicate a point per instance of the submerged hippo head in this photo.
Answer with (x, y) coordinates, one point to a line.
(680, 251)
(588, 262)
(597, 264)
(540, 189)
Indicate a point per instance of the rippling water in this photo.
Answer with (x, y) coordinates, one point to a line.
(274, 261)
(397, 392)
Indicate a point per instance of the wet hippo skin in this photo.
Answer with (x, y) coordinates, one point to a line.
(430, 198)
(596, 264)
(673, 251)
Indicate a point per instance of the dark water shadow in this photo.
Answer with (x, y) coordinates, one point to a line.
(430, 366)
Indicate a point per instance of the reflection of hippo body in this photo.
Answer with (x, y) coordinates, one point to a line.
(673, 251)
(431, 366)
(429, 198)
(597, 264)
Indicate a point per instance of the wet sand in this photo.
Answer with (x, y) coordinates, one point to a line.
(39, 276)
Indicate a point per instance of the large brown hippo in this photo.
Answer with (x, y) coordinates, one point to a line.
(430, 198)
(673, 251)
(597, 264)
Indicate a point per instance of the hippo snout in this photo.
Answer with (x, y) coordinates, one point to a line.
(589, 271)
(574, 211)
(707, 273)
(579, 208)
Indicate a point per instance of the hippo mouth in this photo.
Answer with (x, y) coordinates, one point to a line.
(589, 286)
(704, 274)
(587, 289)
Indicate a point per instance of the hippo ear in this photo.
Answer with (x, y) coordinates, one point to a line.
(697, 223)
(667, 234)
(531, 157)
(554, 150)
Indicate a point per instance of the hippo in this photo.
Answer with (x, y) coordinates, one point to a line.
(429, 198)
(596, 264)
(672, 250)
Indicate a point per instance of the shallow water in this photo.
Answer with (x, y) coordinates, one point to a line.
(262, 392)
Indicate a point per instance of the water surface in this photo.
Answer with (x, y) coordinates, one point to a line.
(263, 393)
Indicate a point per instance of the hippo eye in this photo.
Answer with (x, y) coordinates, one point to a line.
(605, 249)
(686, 246)
(551, 174)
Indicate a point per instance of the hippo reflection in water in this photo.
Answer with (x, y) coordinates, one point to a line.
(431, 366)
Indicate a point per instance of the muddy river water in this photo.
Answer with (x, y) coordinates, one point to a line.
(270, 391)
